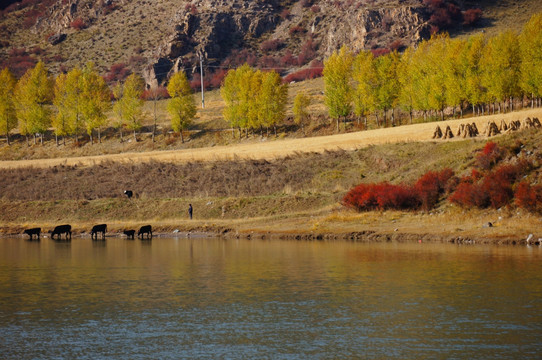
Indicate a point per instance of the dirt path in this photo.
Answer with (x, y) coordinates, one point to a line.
(280, 148)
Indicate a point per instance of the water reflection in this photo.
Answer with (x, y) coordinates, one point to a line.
(213, 298)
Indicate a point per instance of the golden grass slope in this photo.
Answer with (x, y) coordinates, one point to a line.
(272, 149)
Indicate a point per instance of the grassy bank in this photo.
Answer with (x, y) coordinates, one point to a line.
(294, 196)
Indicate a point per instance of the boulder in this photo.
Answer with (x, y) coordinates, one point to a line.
(56, 39)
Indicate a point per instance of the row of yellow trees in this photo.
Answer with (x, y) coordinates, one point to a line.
(436, 74)
(253, 99)
(80, 100)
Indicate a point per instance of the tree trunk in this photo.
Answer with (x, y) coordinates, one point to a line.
(34, 139)
(121, 137)
(27, 140)
(275, 128)
(441, 114)
(64, 140)
(56, 139)
(337, 125)
(511, 103)
(135, 135)
(99, 136)
(91, 138)
(7, 137)
(182, 138)
(410, 116)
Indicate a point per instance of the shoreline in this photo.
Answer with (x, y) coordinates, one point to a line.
(366, 236)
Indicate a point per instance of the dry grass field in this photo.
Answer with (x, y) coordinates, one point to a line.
(271, 149)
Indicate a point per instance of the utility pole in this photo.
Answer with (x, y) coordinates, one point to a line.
(201, 76)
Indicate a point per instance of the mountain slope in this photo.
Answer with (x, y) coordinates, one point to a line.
(156, 37)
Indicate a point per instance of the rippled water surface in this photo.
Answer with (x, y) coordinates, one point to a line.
(238, 299)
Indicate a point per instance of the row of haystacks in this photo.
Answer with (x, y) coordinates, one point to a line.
(491, 129)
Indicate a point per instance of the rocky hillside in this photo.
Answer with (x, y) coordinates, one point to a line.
(156, 37)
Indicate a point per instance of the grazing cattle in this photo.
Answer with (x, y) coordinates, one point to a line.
(62, 229)
(129, 193)
(146, 229)
(129, 233)
(102, 228)
(32, 232)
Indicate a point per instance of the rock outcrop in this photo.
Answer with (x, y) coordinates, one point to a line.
(218, 27)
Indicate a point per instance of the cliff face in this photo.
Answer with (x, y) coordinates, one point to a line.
(218, 27)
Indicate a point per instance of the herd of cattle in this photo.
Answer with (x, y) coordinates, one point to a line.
(145, 232)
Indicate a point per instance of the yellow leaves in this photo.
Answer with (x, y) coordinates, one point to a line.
(181, 106)
(8, 116)
(253, 98)
(33, 93)
(129, 102)
(338, 90)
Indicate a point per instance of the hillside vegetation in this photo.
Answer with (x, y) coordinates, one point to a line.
(298, 194)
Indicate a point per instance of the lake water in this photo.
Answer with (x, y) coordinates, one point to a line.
(239, 299)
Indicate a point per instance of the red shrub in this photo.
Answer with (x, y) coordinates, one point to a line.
(380, 51)
(269, 62)
(304, 74)
(529, 197)
(285, 13)
(271, 45)
(472, 16)
(396, 45)
(217, 78)
(239, 57)
(294, 30)
(137, 60)
(288, 59)
(78, 24)
(365, 197)
(191, 8)
(308, 51)
(117, 72)
(431, 185)
(195, 84)
(315, 8)
(490, 155)
(32, 14)
(306, 3)
(494, 189)
(158, 93)
(469, 194)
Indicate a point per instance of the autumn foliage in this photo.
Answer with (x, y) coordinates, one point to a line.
(529, 197)
(492, 188)
(424, 194)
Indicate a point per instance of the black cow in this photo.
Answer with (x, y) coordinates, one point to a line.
(32, 232)
(102, 228)
(62, 229)
(146, 229)
(129, 193)
(129, 233)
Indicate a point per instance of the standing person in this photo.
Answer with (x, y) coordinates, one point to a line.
(190, 211)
